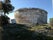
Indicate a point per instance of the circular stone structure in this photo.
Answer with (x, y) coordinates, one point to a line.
(31, 16)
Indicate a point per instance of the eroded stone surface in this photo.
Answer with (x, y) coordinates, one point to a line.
(31, 16)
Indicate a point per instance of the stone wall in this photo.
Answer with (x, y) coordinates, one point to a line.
(31, 16)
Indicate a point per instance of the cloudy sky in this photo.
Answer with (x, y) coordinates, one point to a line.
(43, 4)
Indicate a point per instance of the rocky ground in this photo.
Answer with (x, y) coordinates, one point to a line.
(22, 32)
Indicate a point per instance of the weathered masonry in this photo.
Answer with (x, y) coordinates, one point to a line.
(31, 16)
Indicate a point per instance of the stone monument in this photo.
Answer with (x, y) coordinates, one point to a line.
(31, 16)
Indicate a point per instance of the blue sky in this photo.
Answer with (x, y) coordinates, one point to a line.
(43, 4)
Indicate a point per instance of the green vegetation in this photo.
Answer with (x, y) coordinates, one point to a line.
(22, 32)
(41, 27)
(6, 6)
(51, 21)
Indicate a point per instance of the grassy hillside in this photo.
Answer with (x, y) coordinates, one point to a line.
(22, 32)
